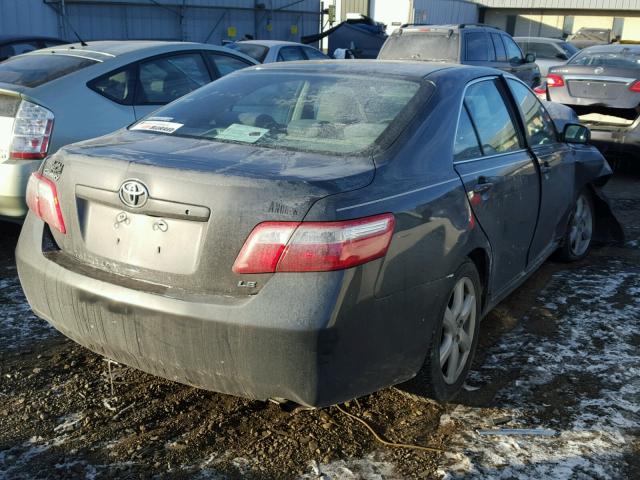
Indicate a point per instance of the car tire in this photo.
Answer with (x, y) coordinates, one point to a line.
(579, 235)
(455, 331)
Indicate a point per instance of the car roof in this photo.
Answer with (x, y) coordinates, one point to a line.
(106, 49)
(458, 26)
(613, 48)
(270, 43)
(402, 68)
(539, 39)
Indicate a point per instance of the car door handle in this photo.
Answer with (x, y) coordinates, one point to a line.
(482, 186)
(545, 167)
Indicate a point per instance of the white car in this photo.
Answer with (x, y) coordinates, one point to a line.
(549, 51)
(269, 51)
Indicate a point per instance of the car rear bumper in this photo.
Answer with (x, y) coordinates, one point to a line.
(316, 339)
(617, 142)
(14, 175)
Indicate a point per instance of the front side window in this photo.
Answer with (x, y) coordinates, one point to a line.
(501, 54)
(539, 126)
(514, 55)
(290, 54)
(466, 145)
(165, 79)
(477, 47)
(35, 70)
(325, 113)
(492, 119)
(226, 64)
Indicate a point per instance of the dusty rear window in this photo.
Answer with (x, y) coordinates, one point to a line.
(36, 70)
(257, 52)
(319, 112)
(427, 46)
(620, 59)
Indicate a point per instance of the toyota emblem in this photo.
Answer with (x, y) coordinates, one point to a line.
(134, 194)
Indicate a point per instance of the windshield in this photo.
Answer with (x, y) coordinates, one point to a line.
(427, 46)
(325, 113)
(602, 35)
(36, 70)
(257, 52)
(620, 59)
(569, 49)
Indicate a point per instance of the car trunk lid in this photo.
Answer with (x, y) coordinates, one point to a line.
(203, 200)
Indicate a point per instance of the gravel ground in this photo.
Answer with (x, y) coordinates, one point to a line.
(561, 355)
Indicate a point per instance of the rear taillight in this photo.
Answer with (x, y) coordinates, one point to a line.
(31, 132)
(554, 80)
(315, 246)
(42, 199)
(540, 90)
(635, 86)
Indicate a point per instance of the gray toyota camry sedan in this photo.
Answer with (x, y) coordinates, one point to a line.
(310, 231)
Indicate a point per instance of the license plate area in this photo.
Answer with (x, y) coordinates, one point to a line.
(163, 244)
(594, 89)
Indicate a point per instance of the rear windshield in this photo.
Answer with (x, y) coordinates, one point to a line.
(257, 52)
(601, 35)
(620, 59)
(323, 113)
(36, 70)
(428, 46)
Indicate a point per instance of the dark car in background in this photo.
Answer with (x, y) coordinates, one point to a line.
(602, 84)
(469, 44)
(11, 45)
(588, 37)
(309, 231)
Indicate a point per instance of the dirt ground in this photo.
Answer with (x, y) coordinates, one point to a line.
(561, 355)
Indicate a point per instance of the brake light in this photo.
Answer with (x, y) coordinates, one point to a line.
(635, 86)
(42, 199)
(315, 246)
(539, 90)
(555, 80)
(31, 132)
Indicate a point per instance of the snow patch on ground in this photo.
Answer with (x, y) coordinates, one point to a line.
(368, 468)
(19, 327)
(593, 357)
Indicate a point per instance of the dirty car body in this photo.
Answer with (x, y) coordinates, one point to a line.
(299, 240)
(602, 84)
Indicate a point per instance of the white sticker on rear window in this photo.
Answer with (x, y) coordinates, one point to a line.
(157, 126)
(237, 132)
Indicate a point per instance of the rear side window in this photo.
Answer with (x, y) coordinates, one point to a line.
(538, 123)
(477, 47)
(492, 119)
(165, 79)
(226, 64)
(35, 70)
(313, 54)
(117, 86)
(501, 54)
(290, 54)
(466, 144)
(513, 51)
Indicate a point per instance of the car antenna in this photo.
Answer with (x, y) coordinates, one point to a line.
(82, 42)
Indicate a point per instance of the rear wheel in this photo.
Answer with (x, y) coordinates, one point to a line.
(579, 234)
(453, 342)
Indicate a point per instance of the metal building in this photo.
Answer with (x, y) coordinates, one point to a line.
(210, 21)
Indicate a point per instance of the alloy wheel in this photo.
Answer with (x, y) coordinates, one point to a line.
(458, 329)
(581, 227)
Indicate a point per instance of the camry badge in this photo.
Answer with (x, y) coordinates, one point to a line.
(134, 194)
(598, 70)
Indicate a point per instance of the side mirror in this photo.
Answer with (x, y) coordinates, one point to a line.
(530, 58)
(561, 56)
(575, 133)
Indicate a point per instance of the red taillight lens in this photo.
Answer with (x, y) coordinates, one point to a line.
(315, 246)
(554, 80)
(540, 90)
(42, 199)
(635, 86)
(31, 132)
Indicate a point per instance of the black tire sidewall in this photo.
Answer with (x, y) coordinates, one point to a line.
(441, 390)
